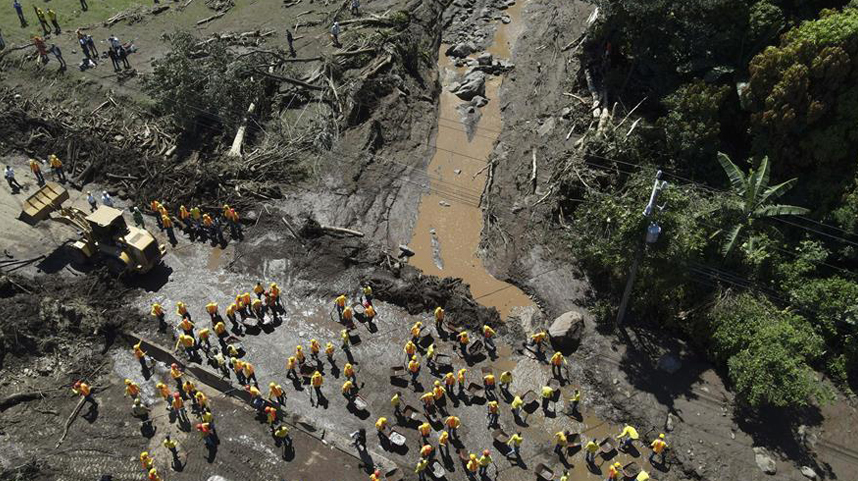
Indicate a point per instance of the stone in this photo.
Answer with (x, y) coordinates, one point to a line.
(462, 49)
(479, 101)
(506, 19)
(669, 424)
(765, 461)
(484, 58)
(216, 478)
(566, 332)
(566, 112)
(457, 171)
(669, 363)
(808, 472)
(474, 84)
(546, 128)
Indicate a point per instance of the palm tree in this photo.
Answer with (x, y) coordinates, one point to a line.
(756, 197)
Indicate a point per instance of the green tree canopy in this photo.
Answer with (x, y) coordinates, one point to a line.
(195, 81)
(804, 95)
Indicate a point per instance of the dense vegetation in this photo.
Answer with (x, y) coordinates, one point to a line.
(756, 261)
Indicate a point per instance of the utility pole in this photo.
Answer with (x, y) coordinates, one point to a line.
(652, 232)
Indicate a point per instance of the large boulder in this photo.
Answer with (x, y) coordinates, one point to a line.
(566, 332)
(765, 461)
(462, 49)
(474, 84)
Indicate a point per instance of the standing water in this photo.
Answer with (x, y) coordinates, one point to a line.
(446, 237)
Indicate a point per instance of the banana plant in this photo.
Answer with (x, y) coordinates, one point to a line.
(756, 197)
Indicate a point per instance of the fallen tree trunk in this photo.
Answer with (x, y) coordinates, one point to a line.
(70, 420)
(213, 17)
(235, 151)
(290, 80)
(341, 230)
(15, 399)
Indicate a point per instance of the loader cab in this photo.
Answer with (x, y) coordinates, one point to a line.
(107, 225)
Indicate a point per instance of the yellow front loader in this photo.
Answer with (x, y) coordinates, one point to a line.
(104, 232)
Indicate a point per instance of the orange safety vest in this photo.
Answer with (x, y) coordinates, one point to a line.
(489, 380)
(166, 221)
(178, 403)
(413, 366)
(347, 313)
(84, 389)
(370, 312)
(316, 380)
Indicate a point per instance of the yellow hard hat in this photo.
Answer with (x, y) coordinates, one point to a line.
(128, 382)
(271, 384)
(661, 436)
(437, 383)
(473, 456)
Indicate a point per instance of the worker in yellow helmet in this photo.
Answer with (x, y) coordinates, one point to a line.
(659, 446)
(314, 349)
(346, 339)
(547, 397)
(131, 388)
(514, 445)
(158, 313)
(340, 304)
(415, 331)
(421, 469)
(614, 471)
(329, 351)
(211, 308)
(516, 405)
(485, 460)
(538, 340)
(472, 466)
(348, 315)
(140, 355)
(574, 400)
(396, 402)
(439, 320)
(414, 369)
(275, 393)
(182, 310)
(410, 350)
(626, 437)
(367, 294)
(488, 337)
(146, 461)
(316, 382)
(349, 372)
(557, 361)
(281, 435)
(349, 391)
(560, 442)
(591, 448)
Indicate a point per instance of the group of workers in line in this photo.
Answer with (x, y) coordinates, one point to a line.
(434, 400)
(194, 221)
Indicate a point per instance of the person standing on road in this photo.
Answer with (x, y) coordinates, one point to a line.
(105, 199)
(41, 48)
(138, 217)
(20, 11)
(83, 5)
(659, 446)
(59, 55)
(52, 16)
(355, 8)
(57, 164)
(290, 40)
(91, 44)
(168, 226)
(42, 20)
(113, 59)
(93, 204)
(514, 444)
(335, 34)
(122, 52)
(82, 389)
(10, 178)
(591, 447)
(36, 169)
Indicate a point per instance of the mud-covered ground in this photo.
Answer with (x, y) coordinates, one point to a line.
(65, 323)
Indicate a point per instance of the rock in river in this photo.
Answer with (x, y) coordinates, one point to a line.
(474, 84)
(566, 332)
(461, 49)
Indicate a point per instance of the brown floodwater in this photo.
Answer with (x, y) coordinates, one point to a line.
(446, 237)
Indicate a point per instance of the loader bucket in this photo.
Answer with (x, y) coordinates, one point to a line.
(39, 206)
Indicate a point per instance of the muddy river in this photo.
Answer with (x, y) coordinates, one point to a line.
(446, 236)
